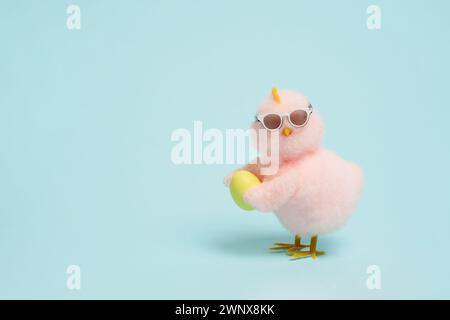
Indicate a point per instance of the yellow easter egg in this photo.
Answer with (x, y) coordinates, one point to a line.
(241, 181)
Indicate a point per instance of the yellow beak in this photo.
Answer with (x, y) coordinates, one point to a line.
(287, 131)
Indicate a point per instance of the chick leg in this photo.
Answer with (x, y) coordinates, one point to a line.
(312, 248)
(313, 252)
(290, 247)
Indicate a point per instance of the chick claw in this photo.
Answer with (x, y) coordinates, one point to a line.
(290, 247)
(305, 254)
(295, 250)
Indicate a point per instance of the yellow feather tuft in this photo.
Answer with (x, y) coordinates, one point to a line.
(275, 95)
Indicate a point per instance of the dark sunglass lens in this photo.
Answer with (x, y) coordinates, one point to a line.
(272, 121)
(298, 117)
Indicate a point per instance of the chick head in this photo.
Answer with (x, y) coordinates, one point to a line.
(294, 140)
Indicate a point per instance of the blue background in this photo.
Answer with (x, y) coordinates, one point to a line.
(86, 176)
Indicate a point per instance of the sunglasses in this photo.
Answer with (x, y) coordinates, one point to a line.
(297, 118)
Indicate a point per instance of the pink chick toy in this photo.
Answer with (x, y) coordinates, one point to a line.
(314, 190)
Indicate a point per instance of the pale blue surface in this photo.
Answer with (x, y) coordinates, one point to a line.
(85, 123)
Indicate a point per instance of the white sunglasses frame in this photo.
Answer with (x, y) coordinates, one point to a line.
(309, 110)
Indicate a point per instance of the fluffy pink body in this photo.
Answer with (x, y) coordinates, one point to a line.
(314, 191)
(326, 191)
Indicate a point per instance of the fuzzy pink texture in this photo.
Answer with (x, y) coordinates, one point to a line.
(314, 190)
